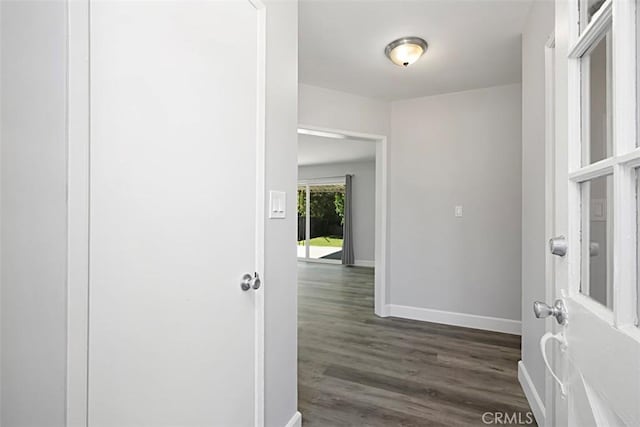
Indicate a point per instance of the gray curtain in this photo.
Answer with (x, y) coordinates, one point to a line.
(347, 239)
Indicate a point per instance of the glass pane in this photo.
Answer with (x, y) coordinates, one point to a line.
(596, 103)
(596, 235)
(326, 219)
(302, 218)
(588, 8)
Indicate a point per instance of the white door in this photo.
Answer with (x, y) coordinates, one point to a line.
(596, 354)
(174, 200)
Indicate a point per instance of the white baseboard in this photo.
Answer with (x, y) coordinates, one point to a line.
(530, 392)
(295, 421)
(457, 319)
(364, 263)
(321, 261)
(384, 312)
(357, 263)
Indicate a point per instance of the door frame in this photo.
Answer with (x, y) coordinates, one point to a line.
(381, 219)
(78, 210)
(549, 175)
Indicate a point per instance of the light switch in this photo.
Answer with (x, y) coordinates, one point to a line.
(277, 204)
(458, 211)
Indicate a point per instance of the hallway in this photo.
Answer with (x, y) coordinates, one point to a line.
(356, 369)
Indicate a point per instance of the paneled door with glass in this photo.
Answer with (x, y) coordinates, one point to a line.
(596, 365)
(321, 221)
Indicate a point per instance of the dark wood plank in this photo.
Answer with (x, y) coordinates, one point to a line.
(356, 369)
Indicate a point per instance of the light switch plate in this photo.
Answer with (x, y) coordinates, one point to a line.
(277, 204)
(458, 211)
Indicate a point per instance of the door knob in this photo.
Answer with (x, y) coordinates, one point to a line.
(256, 281)
(558, 245)
(558, 310)
(249, 281)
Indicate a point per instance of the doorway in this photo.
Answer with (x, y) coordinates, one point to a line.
(321, 214)
(166, 306)
(380, 203)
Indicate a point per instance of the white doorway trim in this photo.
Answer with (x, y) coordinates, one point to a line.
(261, 189)
(78, 154)
(78, 210)
(381, 224)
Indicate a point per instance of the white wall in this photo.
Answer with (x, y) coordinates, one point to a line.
(33, 223)
(454, 149)
(538, 28)
(281, 301)
(457, 149)
(339, 110)
(364, 201)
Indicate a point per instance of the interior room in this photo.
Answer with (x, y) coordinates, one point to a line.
(323, 165)
(266, 213)
(454, 156)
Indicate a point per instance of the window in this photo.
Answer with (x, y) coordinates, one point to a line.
(588, 9)
(321, 221)
(603, 160)
(596, 278)
(596, 102)
(302, 222)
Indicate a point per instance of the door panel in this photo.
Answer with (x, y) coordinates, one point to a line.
(604, 359)
(596, 158)
(173, 213)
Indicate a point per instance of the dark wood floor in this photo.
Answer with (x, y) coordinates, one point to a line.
(356, 369)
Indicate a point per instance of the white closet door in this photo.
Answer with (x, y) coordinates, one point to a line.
(174, 148)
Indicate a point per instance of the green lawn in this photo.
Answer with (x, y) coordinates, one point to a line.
(324, 241)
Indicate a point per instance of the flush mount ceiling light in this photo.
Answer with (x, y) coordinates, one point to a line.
(405, 51)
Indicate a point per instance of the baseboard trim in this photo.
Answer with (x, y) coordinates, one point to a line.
(456, 319)
(295, 421)
(530, 392)
(384, 312)
(364, 263)
(321, 261)
(357, 263)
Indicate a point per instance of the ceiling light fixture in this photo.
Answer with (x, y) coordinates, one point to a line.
(405, 51)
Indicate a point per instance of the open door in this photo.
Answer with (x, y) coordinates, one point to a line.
(593, 353)
(175, 203)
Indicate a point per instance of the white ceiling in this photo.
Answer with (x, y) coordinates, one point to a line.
(317, 150)
(472, 44)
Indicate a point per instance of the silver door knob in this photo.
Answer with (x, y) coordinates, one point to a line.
(558, 245)
(558, 310)
(249, 281)
(256, 281)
